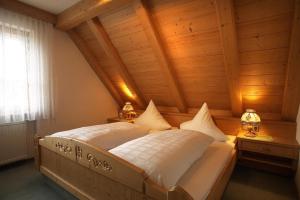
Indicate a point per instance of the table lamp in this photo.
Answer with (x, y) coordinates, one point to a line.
(250, 122)
(128, 112)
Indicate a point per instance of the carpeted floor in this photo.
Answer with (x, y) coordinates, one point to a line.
(250, 184)
(20, 181)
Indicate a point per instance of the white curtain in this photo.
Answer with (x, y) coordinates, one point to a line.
(25, 68)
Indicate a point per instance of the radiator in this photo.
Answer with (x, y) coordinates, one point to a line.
(16, 141)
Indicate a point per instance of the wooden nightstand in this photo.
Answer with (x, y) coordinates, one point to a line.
(268, 152)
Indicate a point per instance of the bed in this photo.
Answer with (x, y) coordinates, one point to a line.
(90, 172)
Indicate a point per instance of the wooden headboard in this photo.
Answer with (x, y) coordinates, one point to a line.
(228, 125)
(231, 125)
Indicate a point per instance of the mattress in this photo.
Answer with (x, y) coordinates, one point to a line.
(200, 178)
(105, 136)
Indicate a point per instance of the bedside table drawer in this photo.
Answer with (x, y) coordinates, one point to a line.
(268, 149)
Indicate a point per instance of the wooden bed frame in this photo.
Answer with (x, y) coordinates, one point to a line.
(92, 173)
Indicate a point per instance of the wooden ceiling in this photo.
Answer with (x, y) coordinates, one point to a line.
(231, 54)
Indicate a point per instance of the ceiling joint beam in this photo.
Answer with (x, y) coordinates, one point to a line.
(104, 41)
(228, 34)
(92, 60)
(85, 10)
(160, 51)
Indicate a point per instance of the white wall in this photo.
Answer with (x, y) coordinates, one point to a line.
(80, 97)
(298, 139)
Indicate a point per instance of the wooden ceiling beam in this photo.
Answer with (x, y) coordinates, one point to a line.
(104, 41)
(91, 59)
(226, 21)
(85, 10)
(291, 97)
(24, 9)
(160, 51)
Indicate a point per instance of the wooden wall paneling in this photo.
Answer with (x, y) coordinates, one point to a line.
(180, 19)
(91, 59)
(129, 38)
(263, 103)
(291, 97)
(161, 54)
(264, 26)
(277, 55)
(263, 48)
(206, 43)
(252, 10)
(261, 42)
(85, 10)
(258, 69)
(22, 8)
(104, 41)
(225, 12)
(121, 23)
(190, 33)
(205, 89)
(202, 79)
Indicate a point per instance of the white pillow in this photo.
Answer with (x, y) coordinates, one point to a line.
(203, 123)
(152, 119)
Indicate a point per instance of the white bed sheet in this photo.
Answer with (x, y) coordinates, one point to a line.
(105, 136)
(199, 179)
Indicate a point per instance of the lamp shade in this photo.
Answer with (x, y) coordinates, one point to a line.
(250, 117)
(128, 107)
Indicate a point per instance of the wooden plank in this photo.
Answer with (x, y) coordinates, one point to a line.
(272, 68)
(263, 103)
(104, 41)
(278, 55)
(262, 80)
(91, 59)
(159, 49)
(85, 10)
(263, 42)
(264, 9)
(291, 97)
(22, 8)
(226, 19)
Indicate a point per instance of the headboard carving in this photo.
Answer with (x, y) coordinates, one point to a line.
(63, 147)
(103, 164)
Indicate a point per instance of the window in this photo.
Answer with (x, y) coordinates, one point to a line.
(25, 88)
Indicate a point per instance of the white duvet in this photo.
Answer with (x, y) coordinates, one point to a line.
(165, 156)
(105, 136)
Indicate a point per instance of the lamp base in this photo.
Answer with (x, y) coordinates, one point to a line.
(250, 134)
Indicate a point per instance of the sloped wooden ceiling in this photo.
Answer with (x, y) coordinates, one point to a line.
(232, 54)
